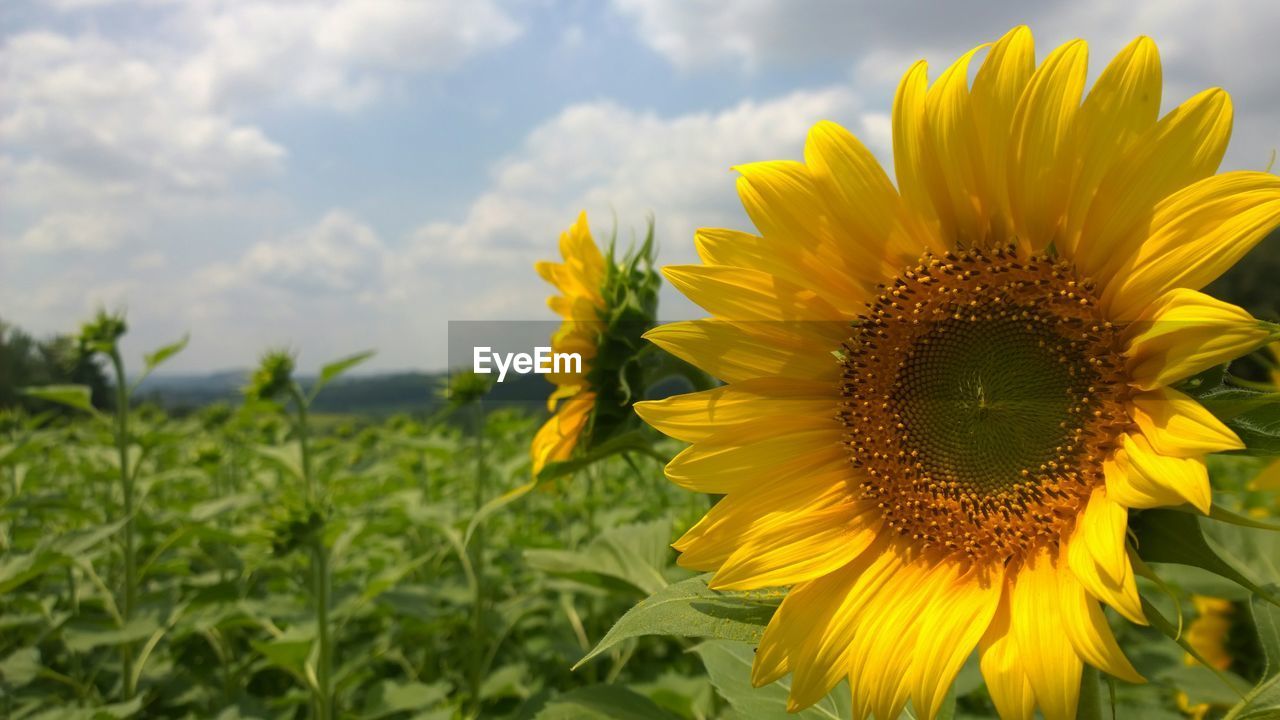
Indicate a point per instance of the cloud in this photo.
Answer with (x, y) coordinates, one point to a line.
(1228, 44)
(131, 131)
(615, 162)
(336, 54)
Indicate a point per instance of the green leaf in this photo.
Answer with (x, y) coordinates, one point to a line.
(636, 554)
(729, 665)
(1253, 414)
(603, 702)
(391, 696)
(1170, 536)
(79, 397)
(333, 370)
(691, 609)
(155, 359)
(20, 667)
(290, 649)
(79, 638)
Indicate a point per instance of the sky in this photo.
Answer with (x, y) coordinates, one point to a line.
(338, 175)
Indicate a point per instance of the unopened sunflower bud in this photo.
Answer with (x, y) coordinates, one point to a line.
(102, 333)
(273, 376)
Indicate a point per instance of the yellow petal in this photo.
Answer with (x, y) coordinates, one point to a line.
(951, 626)
(1103, 526)
(890, 621)
(1087, 629)
(557, 438)
(1049, 659)
(1123, 596)
(1151, 479)
(1178, 426)
(816, 624)
(953, 168)
(865, 208)
(785, 205)
(1042, 161)
(1194, 237)
(731, 354)
(1185, 332)
(796, 263)
(1001, 663)
(750, 512)
(697, 416)
(1123, 104)
(760, 303)
(996, 89)
(1183, 147)
(909, 151)
(717, 467)
(806, 548)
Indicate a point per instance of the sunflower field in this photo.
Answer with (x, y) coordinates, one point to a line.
(985, 439)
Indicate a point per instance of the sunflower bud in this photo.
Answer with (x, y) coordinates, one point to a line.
(102, 333)
(273, 376)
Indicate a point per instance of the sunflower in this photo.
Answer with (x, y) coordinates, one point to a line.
(943, 399)
(580, 280)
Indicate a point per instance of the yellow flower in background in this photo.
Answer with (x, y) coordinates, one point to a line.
(1210, 629)
(580, 280)
(944, 398)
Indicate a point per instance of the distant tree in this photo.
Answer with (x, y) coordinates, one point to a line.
(57, 360)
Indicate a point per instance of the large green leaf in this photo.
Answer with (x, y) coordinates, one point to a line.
(1170, 536)
(691, 609)
(729, 665)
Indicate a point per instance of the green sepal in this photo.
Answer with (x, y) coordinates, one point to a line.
(1252, 413)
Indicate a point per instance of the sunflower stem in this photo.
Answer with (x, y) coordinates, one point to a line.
(1090, 695)
(320, 580)
(129, 599)
(477, 560)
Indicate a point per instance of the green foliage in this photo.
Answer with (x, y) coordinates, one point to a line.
(223, 623)
(26, 362)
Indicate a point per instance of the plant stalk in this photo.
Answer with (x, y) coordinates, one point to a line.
(320, 579)
(477, 559)
(129, 599)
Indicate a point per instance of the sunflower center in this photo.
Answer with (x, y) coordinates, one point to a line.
(981, 394)
(982, 400)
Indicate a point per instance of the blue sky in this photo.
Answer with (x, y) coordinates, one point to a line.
(337, 175)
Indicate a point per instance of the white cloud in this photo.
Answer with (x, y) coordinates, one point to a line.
(131, 149)
(339, 255)
(607, 159)
(90, 106)
(1228, 43)
(338, 54)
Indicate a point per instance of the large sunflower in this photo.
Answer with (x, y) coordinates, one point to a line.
(943, 399)
(580, 280)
